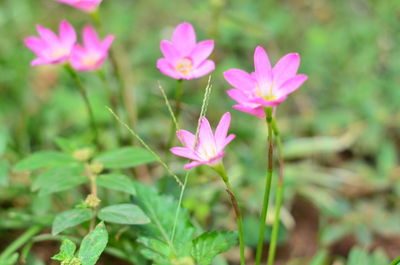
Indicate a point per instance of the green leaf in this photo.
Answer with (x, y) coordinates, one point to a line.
(358, 256)
(10, 260)
(59, 179)
(379, 257)
(161, 210)
(4, 173)
(67, 250)
(93, 245)
(44, 159)
(125, 157)
(123, 214)
(117, 182)
(210, 244)
(320, 258)
(4, 135)
(69, 219)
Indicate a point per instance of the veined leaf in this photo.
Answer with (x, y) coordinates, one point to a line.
(44, 159)
(123, 214)
(59, 179)
(210, 244)
(69, 219)
(117, 182)
(93, 245)
(67, 250)
(125, 157)
(161, 211)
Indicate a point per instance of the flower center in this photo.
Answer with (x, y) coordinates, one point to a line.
(58, 53)
(90, 60)
(266, 91)
(184, 66)
(207, 151)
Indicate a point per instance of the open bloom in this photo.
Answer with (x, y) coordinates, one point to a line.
(50, 48)
(266, 86)
(184, 58)
(209, 148)
(85, 5)
(93, 53)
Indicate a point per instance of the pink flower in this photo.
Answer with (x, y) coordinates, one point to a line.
(184, 58)
(267, 86)
(85, 5)
(93, 53)
(50, 48)
(210, 147)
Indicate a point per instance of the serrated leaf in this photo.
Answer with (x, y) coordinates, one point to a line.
(69, 219)
(125, 157)
(93, 245)
(117, 182)
(44, 159)
(67, 250)
(129, 214)
(210, 244)
(59, 179)
(4, 173)
(161, 210)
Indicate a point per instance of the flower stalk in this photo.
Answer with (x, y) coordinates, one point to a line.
(395, 261)
(220, 169)
(267, 190)
(177, 112)
(83, 92)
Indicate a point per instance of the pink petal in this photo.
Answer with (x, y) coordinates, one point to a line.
(286, 68)
(268, 103)
(67, 34)
(239, 79)
(35, 44)
(184, 38)
(205, 133)
(169, 51)
(107, 42)
(239, 96)
(201, 51)
(228, 140)
(222, 129)
(48, 36)
(39, 61)
(165, 67)
(184, 152)
(258, 111)
(194, 164)
(262, 66)
(204, 69)
(187, 138)
(292, 85)
(90, 38)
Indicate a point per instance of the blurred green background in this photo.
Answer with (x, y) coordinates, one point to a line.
(341, 129)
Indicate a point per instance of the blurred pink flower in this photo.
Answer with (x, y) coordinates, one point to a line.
(209, 148)
(50, 48)
(183, 57)
(85, 5)
(266, 86)
(93, 53)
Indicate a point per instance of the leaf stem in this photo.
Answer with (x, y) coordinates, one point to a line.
(220, 169)
(20, 241)
(85, 98)
(267, 189)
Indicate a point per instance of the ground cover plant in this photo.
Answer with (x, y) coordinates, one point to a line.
(199, 132)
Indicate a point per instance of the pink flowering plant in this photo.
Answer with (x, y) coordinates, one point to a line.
(113, 196)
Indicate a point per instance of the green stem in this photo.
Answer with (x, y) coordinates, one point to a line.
(220, 169)
(396, 261)
(177, 112)
(267, 189)
(275, 227)
(279, 196)
(20, 241)
(85, 98)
